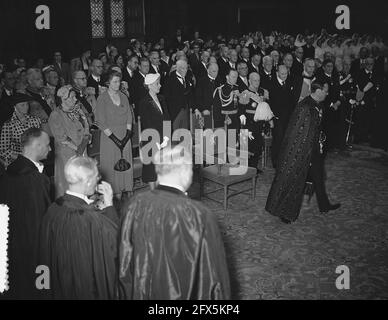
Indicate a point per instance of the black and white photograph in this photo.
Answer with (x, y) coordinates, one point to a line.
(211, 152)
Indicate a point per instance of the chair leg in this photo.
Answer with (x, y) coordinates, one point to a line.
(225, 198)
(253, 188)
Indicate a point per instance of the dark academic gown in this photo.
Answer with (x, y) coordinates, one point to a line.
(171, 249)
(27, 194)
(300, 140)
(152, 118)
(78, 244)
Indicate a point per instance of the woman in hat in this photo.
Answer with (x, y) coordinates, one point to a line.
(153, 111)
(10, 146)
(114, 117)
(70, 128)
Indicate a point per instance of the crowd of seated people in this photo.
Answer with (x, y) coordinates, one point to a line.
(190, 70)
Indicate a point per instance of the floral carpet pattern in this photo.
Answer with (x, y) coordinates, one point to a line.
(271, 260)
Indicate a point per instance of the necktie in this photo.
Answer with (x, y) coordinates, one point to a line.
(283, 83)
(183, 81)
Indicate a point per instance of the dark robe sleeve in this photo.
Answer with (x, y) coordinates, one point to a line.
(171, 250)
(79, 247)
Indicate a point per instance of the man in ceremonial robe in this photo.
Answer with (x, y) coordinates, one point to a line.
(79, 237)
(25, 189)
(170, 246)
(301, 154)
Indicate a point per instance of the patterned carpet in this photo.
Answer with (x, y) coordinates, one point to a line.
(270, 260)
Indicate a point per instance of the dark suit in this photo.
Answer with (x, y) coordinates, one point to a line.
(204, 93)
(365, 114)
(241, 84)
(63, 71)
(6, 108)
(131, 84)
(152, 118)
(139, 91)
(254, 49)
(308, 52)
(223, 69)
(331, 122)
(266, 79)
(251, 69)
(282, 105)
(200, 71)
(94, 84)
(179, 99)
(356, 67)
(297, 68)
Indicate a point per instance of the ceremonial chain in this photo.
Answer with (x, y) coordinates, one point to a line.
(227, 101)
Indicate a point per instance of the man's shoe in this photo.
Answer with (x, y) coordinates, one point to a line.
(331, 207)
(285, 221)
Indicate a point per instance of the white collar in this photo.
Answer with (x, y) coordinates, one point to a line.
(8, 92)
(267, 73)
(38, 165)
(297, 59)
(204, 64)
(232, 64)
(244, 79)
(142, 74)
(130, 71)
(81, 196)
(327, 75)
(211, 78)
(155, 68)
(96, 78)
(225, 59)
(173, 186)
(256, 68)
(280, 81)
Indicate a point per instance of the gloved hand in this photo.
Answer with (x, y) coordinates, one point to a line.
(128, 136)
(116, 140)
(243, 119)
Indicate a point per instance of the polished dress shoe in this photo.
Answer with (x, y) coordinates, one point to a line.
(331, 207)
(285, 221)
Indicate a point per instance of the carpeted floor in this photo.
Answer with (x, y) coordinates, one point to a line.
(270, 260)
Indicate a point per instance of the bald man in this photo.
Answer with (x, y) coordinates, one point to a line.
(179, 96)
(281, 102)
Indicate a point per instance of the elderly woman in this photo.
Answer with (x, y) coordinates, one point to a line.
(10, 145)
(70, 129)
(153, 112)
(114, 118)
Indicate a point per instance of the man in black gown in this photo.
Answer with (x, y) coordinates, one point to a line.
(26, 191)
(171, 247)
(78, 237)
(300, 155)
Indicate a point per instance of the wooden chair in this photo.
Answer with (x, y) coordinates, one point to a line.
(266, 154)
(219, 173)
(137, 163)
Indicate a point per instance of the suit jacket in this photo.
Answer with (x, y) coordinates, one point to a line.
(356, 67)
(94, 84)
(63, 71)
(281, 99)
(131, 84)
(251, 68)
(297, 68)
(199, 71)
(266, 80)
(362, 80)
(177, 96)
(334, 87)
(204, 93)
(223, 70)
(241, 84)
(308, 52)
(254, 50)
(139, 90)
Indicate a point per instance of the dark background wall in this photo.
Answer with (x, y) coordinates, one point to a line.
(71, 32)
